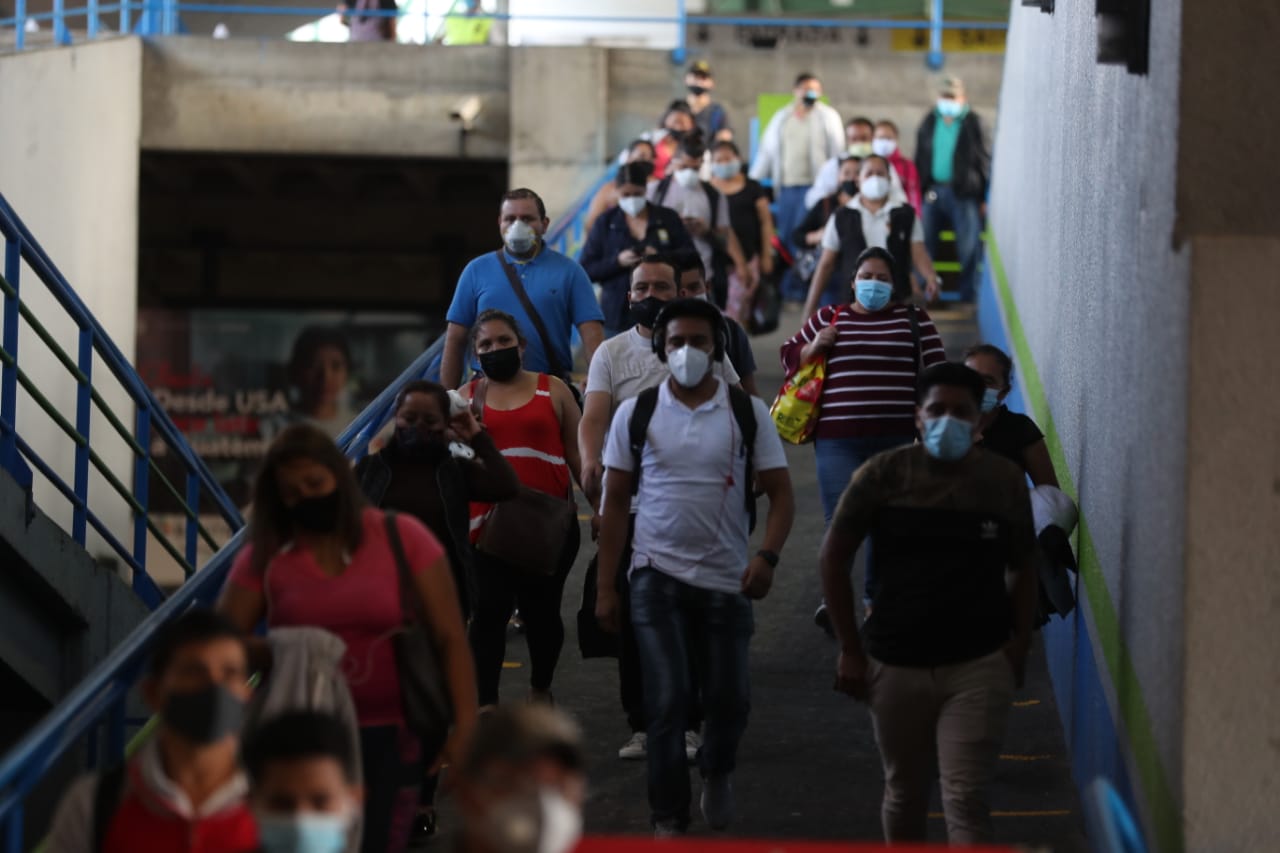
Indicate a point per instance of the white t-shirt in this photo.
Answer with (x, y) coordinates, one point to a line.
(691, 517)
(694, 204)
(875, 226)
(626, 364)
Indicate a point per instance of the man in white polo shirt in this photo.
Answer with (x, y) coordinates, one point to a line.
(877, 216)
(692, 580)
(621, 368)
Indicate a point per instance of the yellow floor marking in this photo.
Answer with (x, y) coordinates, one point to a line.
(511, 664)
(1025, 757)
(1040, 813)
(584, 517)
(1026, 703)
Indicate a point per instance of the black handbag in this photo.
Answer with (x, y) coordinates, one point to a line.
(428, 710)
(593, 641)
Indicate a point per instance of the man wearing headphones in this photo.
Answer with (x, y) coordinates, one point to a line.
(622, 368)
(692, 580)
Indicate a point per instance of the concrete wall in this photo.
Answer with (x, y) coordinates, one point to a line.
(1083, 212)
(69, 166)
(285, 97)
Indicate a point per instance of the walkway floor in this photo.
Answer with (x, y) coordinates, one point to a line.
(808, 766)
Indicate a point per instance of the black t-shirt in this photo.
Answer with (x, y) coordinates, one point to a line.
(745, 219)
(739, 349)
(1009, 435)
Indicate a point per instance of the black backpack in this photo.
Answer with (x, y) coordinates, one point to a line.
(743, 412)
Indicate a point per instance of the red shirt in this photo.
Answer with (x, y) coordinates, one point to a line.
(910, 178)
(870, 386)
(361, 605)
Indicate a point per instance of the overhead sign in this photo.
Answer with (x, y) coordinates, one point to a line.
(953, 41)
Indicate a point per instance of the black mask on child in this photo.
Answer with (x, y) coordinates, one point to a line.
(501, 365)
(849, 188)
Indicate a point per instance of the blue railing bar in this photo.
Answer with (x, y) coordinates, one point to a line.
(76, 12)
(72, 717)
(560, 230)
(13, 228)
(682, 34)
(20, 24)
(9, 376)
(92, 25)
(358, 434)
(149, 592)
(124, 18)
(84, 395)
(141, 481)
(193, 526)
(934, 58)
(61, 35)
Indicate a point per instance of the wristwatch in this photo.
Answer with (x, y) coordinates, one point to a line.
(769, 557)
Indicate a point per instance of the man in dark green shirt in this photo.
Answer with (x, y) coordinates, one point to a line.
(951, 608)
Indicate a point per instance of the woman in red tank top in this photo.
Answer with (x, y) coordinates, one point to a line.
(533, 420)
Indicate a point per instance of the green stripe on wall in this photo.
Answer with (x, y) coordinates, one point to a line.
(1165, 814)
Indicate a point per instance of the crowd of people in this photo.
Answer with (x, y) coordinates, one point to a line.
(386, 589)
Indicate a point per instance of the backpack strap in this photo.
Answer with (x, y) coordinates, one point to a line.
(108, 792)
(553, 360)
(745, 414)
(660, 194)
(638, 430)
(713, 199)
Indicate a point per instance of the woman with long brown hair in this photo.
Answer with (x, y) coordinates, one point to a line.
(318, 556)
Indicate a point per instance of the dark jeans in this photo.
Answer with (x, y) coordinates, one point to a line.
(791, 211)
(501, 589)
(392, 764)
(675, 622)
(941, 204)
(630, 676)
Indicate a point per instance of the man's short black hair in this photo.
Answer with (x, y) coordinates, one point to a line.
(699, 309)
(861, 120)
(197, 625)
(1002, 358)
(693, 145)
(884, 122)
(804, 77)
(689, 259)
(661, 260)
(954, 375)
(521, 193)
(298, 735)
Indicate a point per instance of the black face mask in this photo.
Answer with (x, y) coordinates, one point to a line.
(414, 442)
(204, 716)
(645, 312)
(678, 135)
(316, 515)
(501, 365)
(849, 188)
(697, 90)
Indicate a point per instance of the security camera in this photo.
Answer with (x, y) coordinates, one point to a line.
(466, 111)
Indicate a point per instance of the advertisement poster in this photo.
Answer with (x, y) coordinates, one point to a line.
(233, 379)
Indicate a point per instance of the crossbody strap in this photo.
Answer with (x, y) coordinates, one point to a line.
(553, 359)
(410, 602)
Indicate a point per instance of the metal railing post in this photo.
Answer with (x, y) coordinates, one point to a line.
(9, 339)
(124, 17)
(193, 504)
(141, 478)
(91, 27)
(84, 398)
(61, 35)
(20, 24)
(935, 58)
(682, 33)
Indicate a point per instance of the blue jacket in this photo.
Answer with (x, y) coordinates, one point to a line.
(609, 236)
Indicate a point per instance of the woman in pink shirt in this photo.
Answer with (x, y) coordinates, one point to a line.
(319, 557)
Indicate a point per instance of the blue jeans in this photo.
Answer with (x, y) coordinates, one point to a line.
(941, 205)
(791, 212)
(837, 459)
(677, 624)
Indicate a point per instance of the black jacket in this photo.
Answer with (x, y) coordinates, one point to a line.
(972, 164)
(609, 236)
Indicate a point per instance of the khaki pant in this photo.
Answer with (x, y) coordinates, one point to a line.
(961, 709)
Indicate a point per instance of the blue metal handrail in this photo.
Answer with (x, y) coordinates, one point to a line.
(99, 700)
(163, 17)
(152, 425)
(567, 235)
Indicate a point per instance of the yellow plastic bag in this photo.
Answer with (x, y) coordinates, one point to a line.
(795, 411)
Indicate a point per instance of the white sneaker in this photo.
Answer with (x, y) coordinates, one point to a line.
(665, 829)
(635, 749)
(692, 743)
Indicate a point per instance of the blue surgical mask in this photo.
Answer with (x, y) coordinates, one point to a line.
(950, 107)
(947, 438)
(990, 399)
(309, 832)
(872, 293)
(811, 97)
(726, 171)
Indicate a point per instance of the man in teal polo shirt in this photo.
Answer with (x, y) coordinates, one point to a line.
(556, 286)
(954, 167)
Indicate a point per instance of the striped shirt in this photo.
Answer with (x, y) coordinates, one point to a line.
(871, 370)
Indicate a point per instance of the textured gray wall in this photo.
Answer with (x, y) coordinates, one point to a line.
(1083, 211)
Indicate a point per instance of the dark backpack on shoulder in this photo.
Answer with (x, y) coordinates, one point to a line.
(743, 412)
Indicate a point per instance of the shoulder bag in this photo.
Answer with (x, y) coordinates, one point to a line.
(557, 369)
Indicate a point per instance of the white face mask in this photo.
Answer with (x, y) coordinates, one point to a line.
(883, 147)
(689, 365)
(632, 205)
(544, 822)
(561, 823)
(874, 187)
(520, 238)
(687, 178)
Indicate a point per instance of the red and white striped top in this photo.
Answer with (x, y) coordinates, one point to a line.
(871, 370)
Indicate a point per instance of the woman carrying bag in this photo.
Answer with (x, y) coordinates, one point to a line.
(318, 556)
(524, 547)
